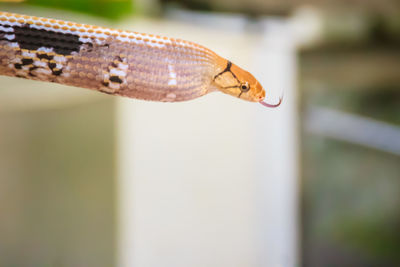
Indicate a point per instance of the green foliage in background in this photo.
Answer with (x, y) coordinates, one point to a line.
(112, 9)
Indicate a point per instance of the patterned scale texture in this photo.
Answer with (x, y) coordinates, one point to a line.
(116, 62)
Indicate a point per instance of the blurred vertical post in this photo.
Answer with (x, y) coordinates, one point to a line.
(213, 182)
(277, 195)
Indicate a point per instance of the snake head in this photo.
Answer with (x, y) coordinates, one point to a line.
(235, 81)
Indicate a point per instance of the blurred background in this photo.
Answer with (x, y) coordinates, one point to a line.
(88, 179)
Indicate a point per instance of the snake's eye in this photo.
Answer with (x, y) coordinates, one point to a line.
(244, 87)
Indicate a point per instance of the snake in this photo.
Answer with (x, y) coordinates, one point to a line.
(118, 62)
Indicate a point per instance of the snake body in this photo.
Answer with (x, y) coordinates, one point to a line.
(117, 62)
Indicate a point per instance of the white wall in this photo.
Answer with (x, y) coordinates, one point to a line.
(213, 182)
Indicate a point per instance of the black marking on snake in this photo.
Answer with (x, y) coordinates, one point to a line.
(90, 47)
(115, 79)
(53, 68)
(227, 69)
(27, 61)
(30, 71)
(105, 83)
(30, 38)
(117, 58)
(57, 72)
(44, 56)
(86, 47)
(228, 87)
(5, 39)
(52, 65)
(18, 66)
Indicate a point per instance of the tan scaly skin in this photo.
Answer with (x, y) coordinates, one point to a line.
(136, 65)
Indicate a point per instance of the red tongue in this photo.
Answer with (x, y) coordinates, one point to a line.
(271, 105)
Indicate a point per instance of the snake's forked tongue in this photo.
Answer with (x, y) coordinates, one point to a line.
(272, 105)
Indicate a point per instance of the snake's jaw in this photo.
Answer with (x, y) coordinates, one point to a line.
(259, 93)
